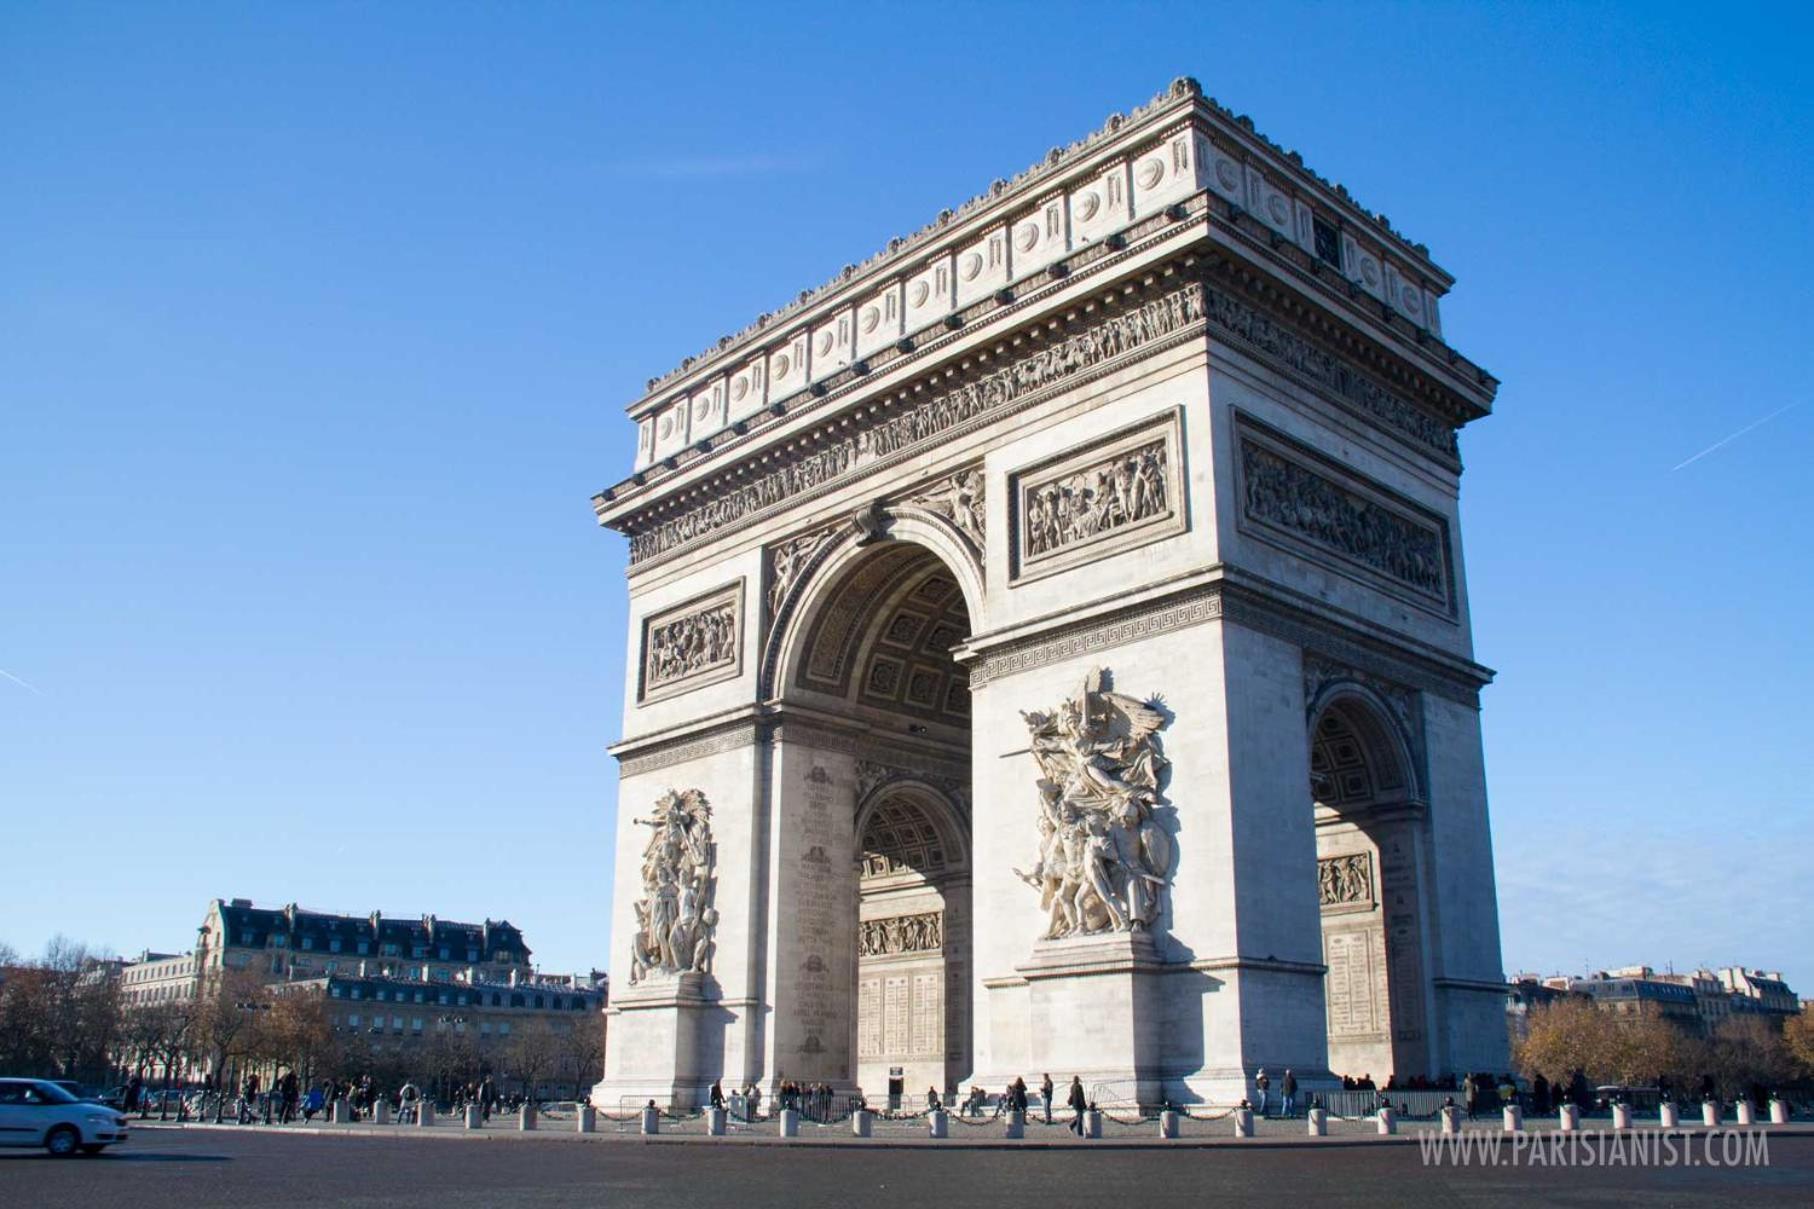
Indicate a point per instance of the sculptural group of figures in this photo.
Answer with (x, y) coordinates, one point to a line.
(901, 934)
(1100, 499)
(1344, 879)
(692, 643)
(674, 916)
(1103, 858)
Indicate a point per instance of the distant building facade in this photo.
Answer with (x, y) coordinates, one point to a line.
(282, 944)
(153, 978)
(1699, 1001)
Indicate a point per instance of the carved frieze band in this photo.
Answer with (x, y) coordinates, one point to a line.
(1111, 495)
(693, 644)
(922, 933)
(666, 755)
(1198, 607)
(1288, 490)
(1345, 880)
(1277, 343)
(869, 443)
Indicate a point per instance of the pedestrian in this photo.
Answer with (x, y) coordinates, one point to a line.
(1018, 1092)
(1288, 1089)
(933, 1103)
(1045, 1095)
(717, 1094)
(1078, 1102)
(312, 1103)
(1470, 1093)
(1261, 1083)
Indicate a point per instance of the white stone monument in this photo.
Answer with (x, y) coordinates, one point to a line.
(1051, 653)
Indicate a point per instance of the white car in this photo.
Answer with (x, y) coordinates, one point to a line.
(36, 1112)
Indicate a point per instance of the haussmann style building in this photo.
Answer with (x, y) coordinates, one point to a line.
(1050, 652)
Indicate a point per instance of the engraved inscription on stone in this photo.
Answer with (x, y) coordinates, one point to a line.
(1287, 495)
(693, 644)
(1356, 961)
(1341, 880)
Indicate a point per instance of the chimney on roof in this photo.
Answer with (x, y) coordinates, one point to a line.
(241, 902)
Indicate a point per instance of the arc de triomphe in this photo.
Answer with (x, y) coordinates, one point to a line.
(1051, 654)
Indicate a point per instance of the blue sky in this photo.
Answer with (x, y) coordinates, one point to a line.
(316, 323)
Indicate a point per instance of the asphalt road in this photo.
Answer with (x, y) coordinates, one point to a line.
(187, 1170)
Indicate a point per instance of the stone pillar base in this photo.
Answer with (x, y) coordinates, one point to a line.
(1096, 1011)
(656, 1029)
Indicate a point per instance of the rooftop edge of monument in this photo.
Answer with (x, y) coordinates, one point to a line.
(1183, 96)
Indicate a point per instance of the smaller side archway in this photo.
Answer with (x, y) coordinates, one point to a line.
(1371, 874)
(913, 948)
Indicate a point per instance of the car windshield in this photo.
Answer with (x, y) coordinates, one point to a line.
(55, 1094)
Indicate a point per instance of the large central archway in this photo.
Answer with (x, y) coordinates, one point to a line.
(877, 962)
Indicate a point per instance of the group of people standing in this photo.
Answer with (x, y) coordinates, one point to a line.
(1287, 1098)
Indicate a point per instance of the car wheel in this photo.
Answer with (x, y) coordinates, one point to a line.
(93, 1147)
(62, 1141)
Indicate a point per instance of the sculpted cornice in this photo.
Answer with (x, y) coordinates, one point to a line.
(1246, 600)
(1065, 168)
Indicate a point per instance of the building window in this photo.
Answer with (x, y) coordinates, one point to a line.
(516, 1001)
(496, 999)
(504, 1028)
(308, 942)
(538, 1001)
(356, 993)
(418, 951)
(334, 944)
(443, 952)
(472, 955)
(415, 1026)
(353, 1019)
(245, 938)
(334, 991)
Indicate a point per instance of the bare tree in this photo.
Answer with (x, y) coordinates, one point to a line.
(534, 1050)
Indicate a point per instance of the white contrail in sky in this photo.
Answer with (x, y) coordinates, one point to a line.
(17, 681)
(1735, 436)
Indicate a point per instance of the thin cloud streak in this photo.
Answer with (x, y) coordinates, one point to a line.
(1735, 436)
(22, 684)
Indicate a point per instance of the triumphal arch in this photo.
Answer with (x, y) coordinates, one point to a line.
(1050, 653)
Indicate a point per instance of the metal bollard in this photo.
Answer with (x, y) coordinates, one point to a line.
(862, 1123)
(1621, 1116)
(1451, 1119)
(1568, 1119)
(1710, 1113)
(1318, 1122)
(1779, 1112)
(1168, 1124)
(1388, 1121)
(381, 1113)
(1243, 1119)
(937, 1123)
(425, 1113)
(1745, 1111)
(651, 1120)
(1092, 1123)
(525, 1117)
(1514, 1119)
(587, 1120)
(1017, 1124)
(790, 1123)
(1668, 1116)
(475, 1117)
(714, 1122)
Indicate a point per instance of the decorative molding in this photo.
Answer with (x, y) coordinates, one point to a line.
(1278, 346)
(1345, 881)
(1321, 673)
(932, 767)
(896, 934)
(1113, 494)
(874, 774)
(1090, 638)
(1292, 495)
(693, 644)
(666, 754)
(843, 449)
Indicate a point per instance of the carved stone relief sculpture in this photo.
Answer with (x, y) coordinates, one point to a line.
(1112, 494)
(787, 561)
(1285, 493)
(959, 499)
(689, 642)
(1341, 880)
(923, 933)
(675, 919)
(1103, 859)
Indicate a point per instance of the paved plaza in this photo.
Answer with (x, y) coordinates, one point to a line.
(191, 1168)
